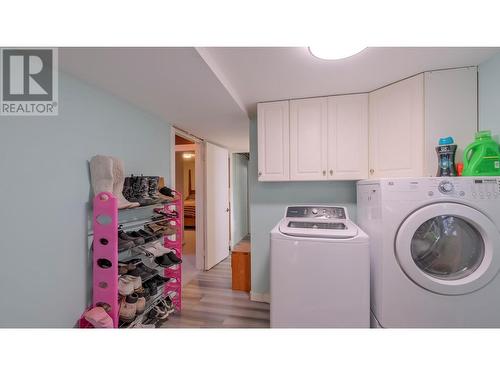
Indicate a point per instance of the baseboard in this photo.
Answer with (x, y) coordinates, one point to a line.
(260, 297)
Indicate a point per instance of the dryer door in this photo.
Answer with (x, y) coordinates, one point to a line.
(449, 248)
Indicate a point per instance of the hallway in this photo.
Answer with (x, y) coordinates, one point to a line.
(209, 302)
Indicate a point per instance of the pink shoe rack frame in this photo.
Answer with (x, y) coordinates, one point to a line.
(105, 254)
(174, 242)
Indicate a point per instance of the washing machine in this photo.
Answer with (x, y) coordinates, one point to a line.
(320, 270)
(435, 250)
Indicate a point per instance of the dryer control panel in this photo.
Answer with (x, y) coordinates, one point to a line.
(317, 212)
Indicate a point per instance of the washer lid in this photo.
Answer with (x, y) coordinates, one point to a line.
(301, 227)
(448, 248)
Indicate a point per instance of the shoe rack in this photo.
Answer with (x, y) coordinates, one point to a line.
(103, 240)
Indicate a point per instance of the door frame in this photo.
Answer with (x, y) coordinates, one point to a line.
(200, 169)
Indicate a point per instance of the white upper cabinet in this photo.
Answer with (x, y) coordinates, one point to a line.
(348, 137)
(396, 131)
(273, 141)
(450, 110)
(308, 139)
(390, 132)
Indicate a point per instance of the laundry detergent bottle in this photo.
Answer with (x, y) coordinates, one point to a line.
(482, 157)
(446, 157)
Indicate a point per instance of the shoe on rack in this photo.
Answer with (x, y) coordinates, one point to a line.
(164, 261)
(101, 174)
(122, 268)
(167, 305)
(125, 285)
(137, 282)
(124, 244)
(139, 192)
(160, 311)
(157, 249)
(167, 192)
(128, 308)
(153, 192)
(118, 184)
(141, 303)
(152, 287)
(138, 239)
(149, 236)
(126, 237)
(173, 257)
(152, 251)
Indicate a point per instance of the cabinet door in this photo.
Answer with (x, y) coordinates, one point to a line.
(308, 139)
(396, 129)
(348, 137)
(450, 110)
(273, 134)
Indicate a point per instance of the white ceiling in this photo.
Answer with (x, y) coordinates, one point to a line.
(210, 92)
(266, 74)
(174, 84)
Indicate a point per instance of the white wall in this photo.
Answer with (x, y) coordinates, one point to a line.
(45, 194)
(489, 96)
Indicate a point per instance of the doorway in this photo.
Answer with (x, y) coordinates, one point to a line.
(185, 179)
(201, 173)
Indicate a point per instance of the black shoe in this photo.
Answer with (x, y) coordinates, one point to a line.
(152, 287)
(174, 258)
(143, 271)
(136, 240)
(164, 261)
(139, 193)
(159, 280)
(153, 193)
(167, 191)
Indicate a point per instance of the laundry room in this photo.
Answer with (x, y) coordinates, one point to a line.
(231, 196)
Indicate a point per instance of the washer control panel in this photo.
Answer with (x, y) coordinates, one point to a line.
(316, 212)
(486, 188)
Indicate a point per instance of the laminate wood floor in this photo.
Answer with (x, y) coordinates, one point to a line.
(209, 302)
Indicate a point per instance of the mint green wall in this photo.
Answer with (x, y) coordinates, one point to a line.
(239, 188)
(267, 205)
(489, 96)
(45, 192)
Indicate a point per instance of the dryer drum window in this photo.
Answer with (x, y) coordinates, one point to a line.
(447, 248)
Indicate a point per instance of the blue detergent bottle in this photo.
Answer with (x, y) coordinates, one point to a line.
(446, 157)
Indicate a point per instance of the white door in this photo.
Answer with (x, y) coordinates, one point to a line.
(273, 141)
(308, 139)
(449, 248)
(348, 137)
(396, 129)
(217, 204)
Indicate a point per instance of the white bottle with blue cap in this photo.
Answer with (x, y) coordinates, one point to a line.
(446, 157)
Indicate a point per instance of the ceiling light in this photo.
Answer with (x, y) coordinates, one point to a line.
(334, 52)
(187, 155)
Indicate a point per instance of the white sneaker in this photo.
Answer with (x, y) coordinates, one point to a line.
(125, 285)
(161, 249)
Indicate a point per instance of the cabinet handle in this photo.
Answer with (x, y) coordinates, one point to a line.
(260, 174)
(331, 172)
(371, 171)
(324, 173)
